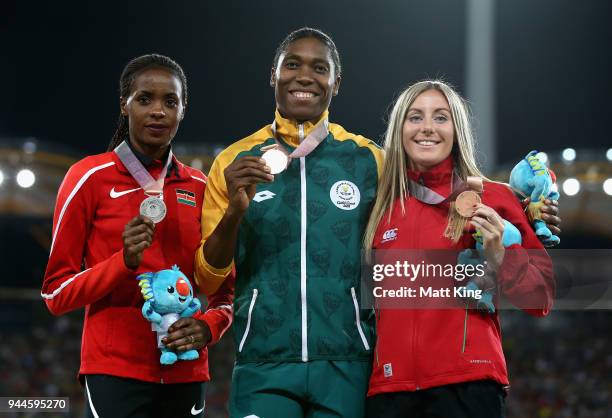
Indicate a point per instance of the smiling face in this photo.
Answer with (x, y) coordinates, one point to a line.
(428, 131)
(154, 109)
(304, 80)
(172, 293)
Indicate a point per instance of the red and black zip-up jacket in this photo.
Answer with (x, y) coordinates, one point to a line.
(86, 269)
(425, 348)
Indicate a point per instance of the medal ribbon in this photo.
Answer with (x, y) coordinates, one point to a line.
(314, 138)
(426, 195)
(139, 172)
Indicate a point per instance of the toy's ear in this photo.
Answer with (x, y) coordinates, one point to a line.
(144, 281)
(148, 275)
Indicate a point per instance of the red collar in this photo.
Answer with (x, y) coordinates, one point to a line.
(437, 178)
(176, 167)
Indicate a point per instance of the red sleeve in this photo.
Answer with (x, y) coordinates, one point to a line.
(526, 275)
(66, 285)
(219, 312)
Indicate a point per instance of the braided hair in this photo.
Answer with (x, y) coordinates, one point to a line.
(129, 74)
(307, 32)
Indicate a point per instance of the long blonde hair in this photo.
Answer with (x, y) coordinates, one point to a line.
(393, 183)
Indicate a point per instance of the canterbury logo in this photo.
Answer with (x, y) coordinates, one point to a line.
(114, 194)
(389, 235)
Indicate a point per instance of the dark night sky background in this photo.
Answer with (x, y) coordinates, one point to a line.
(61, 63)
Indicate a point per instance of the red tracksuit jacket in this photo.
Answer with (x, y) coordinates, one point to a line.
(86, 269)
(420, 349)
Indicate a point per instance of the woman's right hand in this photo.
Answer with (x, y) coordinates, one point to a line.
(137, 237)
(241, 178)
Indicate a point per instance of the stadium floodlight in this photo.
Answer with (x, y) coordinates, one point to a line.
(609, 154)
(571, 187)
(1, 177)
(29, 147)
(607, 186)
(542, 156)
(569, 154)
(25, 178)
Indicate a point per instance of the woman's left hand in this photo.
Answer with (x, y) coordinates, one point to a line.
(491, 226)
(187, 334)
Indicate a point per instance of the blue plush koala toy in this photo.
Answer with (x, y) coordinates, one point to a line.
(475, 256)
(168, 296)
(532, 178)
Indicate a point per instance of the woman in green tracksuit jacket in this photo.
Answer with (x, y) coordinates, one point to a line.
(303, 344)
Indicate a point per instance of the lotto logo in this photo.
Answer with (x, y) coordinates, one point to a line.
(263, 195)
(389, 235)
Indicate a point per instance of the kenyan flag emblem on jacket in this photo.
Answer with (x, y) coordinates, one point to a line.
(185, 197)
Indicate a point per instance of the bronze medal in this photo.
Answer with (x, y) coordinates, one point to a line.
(466, 202)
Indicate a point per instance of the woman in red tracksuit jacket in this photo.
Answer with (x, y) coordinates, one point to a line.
(101, 244)
(445, 362)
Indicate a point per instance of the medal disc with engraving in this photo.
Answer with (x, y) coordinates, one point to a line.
(276, 159)
(466, 203)
(153, 208)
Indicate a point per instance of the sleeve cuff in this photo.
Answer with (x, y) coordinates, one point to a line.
(217, 323)
(207, 277)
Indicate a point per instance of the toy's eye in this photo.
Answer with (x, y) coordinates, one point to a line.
(170, 289)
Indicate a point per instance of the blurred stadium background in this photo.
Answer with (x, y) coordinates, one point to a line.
(541, 81)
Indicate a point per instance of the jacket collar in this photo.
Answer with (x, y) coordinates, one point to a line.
(289, 130)
(437, 178)
(153, 166)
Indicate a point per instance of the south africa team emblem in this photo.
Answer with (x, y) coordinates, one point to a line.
(345, 195)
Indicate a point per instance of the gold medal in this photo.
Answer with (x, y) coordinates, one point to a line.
(276, 159)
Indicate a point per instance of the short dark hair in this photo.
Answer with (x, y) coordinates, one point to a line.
(131, 70)
(307, 32)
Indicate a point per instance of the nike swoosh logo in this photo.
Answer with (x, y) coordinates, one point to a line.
(197, 411)
(115, 194)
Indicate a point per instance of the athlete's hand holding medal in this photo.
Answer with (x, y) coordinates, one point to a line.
(241, 177)
(138, 233)
(485, 219)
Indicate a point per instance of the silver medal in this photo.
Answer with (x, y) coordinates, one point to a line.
(153, 208)
(276, 159)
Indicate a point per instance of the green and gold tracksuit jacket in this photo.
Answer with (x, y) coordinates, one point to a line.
(297, 260)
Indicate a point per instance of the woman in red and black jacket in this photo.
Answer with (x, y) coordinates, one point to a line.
(102, 241)
(446, 362)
